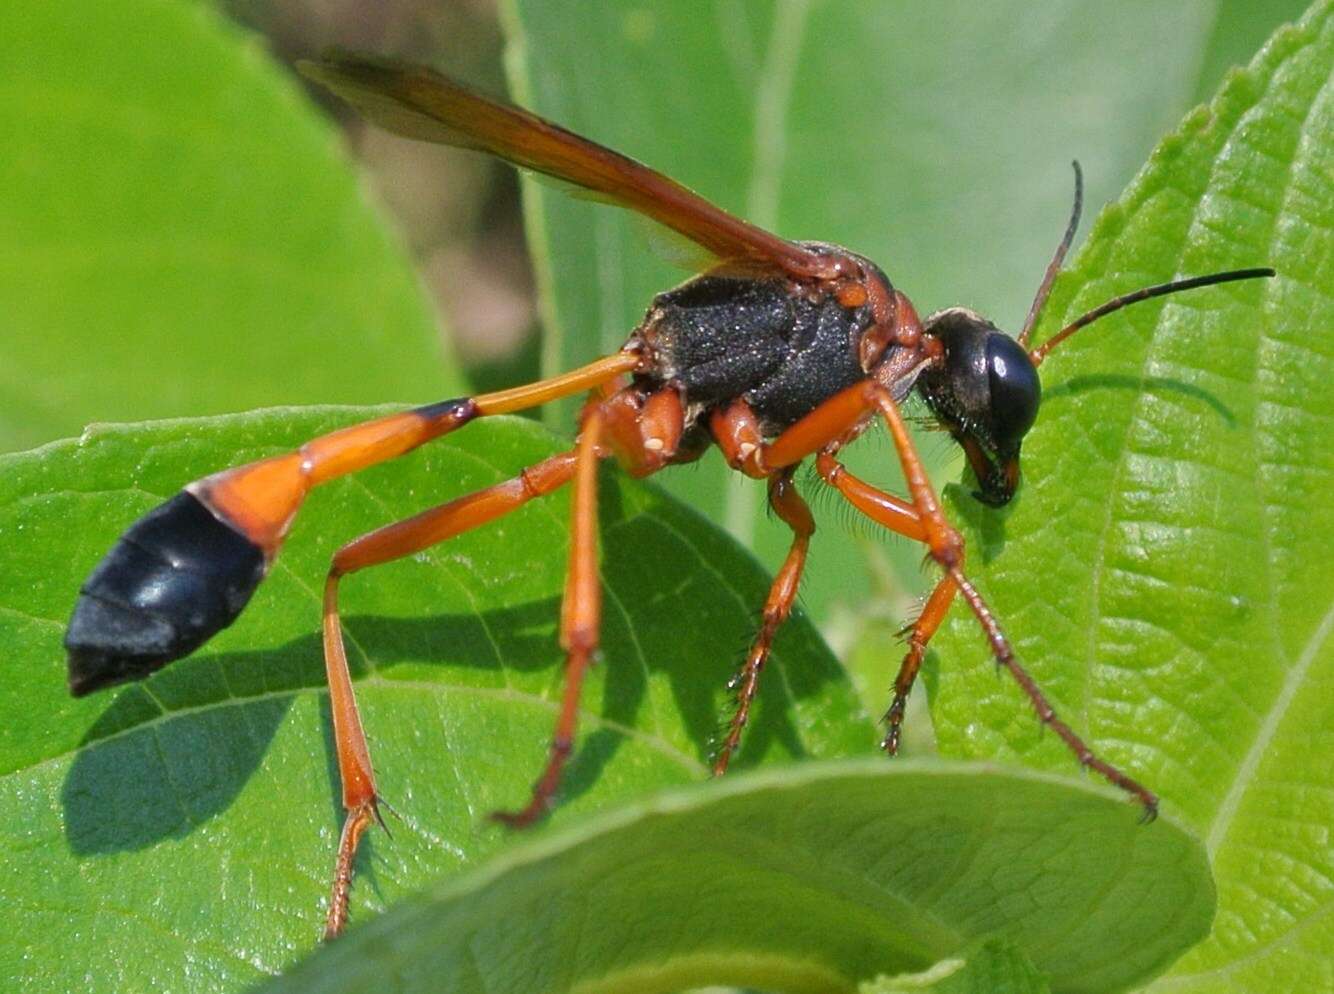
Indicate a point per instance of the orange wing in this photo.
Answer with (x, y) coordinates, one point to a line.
(417, 102)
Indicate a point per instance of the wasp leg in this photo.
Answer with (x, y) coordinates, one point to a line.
(1000, 647)
(738, 433)
(937, 606)
(785, 500)
(841, 418)
(580, 619)
(185, 570)
(643, 431)
(947, 549)
(404, 538)
(899, 516)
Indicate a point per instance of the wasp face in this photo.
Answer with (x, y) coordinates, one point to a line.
(986, 392)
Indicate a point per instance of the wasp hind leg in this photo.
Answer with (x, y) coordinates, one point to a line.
(404, 538)
(185, 570)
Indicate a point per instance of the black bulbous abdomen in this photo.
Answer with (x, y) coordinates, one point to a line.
(174, 579)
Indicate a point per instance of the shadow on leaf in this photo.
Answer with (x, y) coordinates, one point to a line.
(142, 776)
(1077, 385)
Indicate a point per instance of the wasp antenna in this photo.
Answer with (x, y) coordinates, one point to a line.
(1048, 278)
(1115, 304)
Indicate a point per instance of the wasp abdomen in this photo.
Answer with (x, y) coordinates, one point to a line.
(175, 578)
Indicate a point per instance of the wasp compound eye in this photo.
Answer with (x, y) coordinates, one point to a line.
(1015, 391)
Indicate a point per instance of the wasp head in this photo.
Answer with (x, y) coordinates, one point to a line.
(985, 391)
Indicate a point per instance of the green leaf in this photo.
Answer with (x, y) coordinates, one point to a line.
(805, 879)
(1165, 568)
(934, 138)
(989, 967)
(179, 834)
(180, 233)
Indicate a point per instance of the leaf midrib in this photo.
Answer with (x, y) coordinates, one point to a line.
(1269, 725)
(1297, 927)
(1243, 780)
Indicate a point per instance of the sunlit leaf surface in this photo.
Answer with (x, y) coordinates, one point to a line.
(1165, 570)
(180, 833)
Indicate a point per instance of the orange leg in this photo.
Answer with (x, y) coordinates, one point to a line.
(644, 429)
(947, 549)
(1000, 646)
(841, 418)
(937, 606)
(899, 516)
(580, 619)
(784, 499)
(648, 429)
(261, 498)
(404, 538)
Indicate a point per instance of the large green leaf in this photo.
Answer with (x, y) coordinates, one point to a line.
(179, 834)
(1165, 570)
(992, 966)
(180, 233)
(934, 138)
(808, 879)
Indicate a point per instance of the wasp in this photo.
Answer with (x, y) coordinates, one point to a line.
(779, 352)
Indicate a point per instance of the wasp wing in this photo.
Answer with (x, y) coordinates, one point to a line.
(418, 102)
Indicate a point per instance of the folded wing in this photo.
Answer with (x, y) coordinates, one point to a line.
(420, 103)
